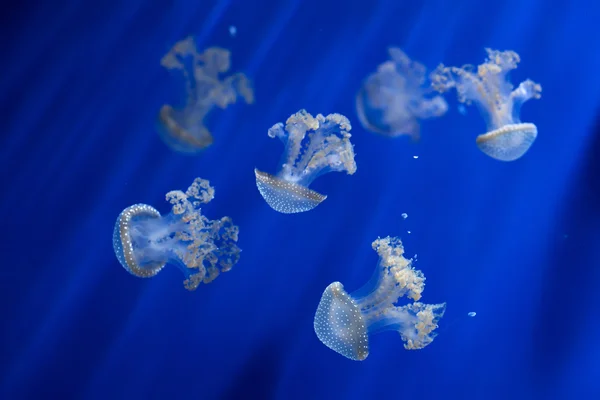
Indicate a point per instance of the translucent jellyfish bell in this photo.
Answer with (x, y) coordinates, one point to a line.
(393, 100)
(313, 146)
(185, 129)
(488, 86)
(144, 241)
(343, 321)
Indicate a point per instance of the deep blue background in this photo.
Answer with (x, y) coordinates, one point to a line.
(80, 87)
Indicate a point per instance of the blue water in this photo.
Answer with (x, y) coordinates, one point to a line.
(517, 242)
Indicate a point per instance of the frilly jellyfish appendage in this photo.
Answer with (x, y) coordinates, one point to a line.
(488, 86)
(144, 241)
(184, 129)
(343, 321)
(313, 146)
(393, 100)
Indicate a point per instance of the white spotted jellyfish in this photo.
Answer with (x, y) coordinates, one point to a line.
(488, 86)
(393, 100)
(312, 146)
(344, 321)
(184, 129)
(145, 241)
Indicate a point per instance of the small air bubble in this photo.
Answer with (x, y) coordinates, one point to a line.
(404, 215)
(415, 157)
(408, 232)
(232, 31)
(472, 314)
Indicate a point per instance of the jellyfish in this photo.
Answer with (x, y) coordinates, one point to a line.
(488, 86)
(184, 129)
(313, 146)
(344, 321)
(393, 100)
(145, 241)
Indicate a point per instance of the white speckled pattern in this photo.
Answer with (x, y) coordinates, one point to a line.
(340, 325)
(286, 197)
(122, 241)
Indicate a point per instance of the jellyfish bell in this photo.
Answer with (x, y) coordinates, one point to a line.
(128, 249)
(286, 197)
(509, 142)
(180, 135)
(339, 324)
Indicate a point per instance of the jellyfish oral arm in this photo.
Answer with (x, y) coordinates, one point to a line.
(327, 147)
(327, 155)
(292, 141)
(488, 86)
(527, 90)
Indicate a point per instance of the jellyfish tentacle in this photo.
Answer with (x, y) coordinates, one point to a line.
(527, 90)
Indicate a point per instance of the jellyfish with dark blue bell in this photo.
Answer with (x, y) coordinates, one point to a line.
(184, 129)
(313, 146)
(394, 100)
(344, 321)
(145, 241)
(488, 86)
